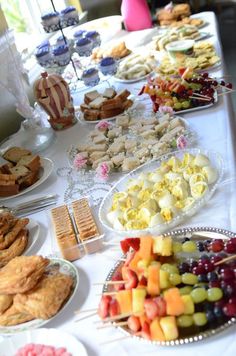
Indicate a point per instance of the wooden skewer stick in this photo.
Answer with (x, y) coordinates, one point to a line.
(120, 323)
(199, 98)
(86, 317)
(226, 92)
(226, 259)
(113, 318)
(106, 293)
(85, 311)
(109, 282)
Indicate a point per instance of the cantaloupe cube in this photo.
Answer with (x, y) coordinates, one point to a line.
(156, 331)
(169, 327)
(145, 249)
(174, 302)
(188, 304)
(124, 298)
(138, 296)
(153, 281)
(134, 262)
(143, 318)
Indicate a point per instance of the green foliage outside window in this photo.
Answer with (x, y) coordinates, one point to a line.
(11, 9)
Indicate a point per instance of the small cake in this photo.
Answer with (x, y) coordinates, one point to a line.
(61, 55)
(62, 40)
(84, 47)
(79, 34)
(108, 66)
(69, 16)
(51, 21)
(90, 77)
(94, 37)
(44, 56)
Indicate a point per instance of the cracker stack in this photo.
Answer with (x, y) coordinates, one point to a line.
(64, 232)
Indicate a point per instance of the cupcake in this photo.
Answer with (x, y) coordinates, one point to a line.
(79, 34)
(43, 56)
(90, 77)
(51, 21)
(62, 40)
(69, 16)
(84, 47)
(94, 37)
(108, 66)
(61, 55)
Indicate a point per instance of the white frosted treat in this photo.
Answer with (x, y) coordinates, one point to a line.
(167, 200)
(201, 160)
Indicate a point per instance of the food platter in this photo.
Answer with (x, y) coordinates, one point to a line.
(64, 267)
(80, 117)
(44, 172)
(34, 229)
(151, 166)
(192, 335)
(134, 80)
(51, 337)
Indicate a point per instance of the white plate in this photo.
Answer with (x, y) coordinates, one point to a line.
(44, 173)
(33, 228)
(134, 80)
(65, 267)
(202, 36)
(50, 337)
(80, 117)
(121, 185)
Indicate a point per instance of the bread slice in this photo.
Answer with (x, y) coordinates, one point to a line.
(123, 95)
(7, 177)
(8, 190)
(97, 103)
(112, 104)
(84, 107)
(127, 104)
(105, 114)
(91, 115)
(31, 162)
(90, 96)
(14, 154)
(28, 180)
(19, 171)
(5, 168)
(109, 93)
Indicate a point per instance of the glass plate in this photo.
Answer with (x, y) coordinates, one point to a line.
(186, 339)
(64, 267)
(120, 186)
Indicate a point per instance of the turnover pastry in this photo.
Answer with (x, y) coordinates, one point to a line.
(16, 248)
(13, 316)
(11, 236)
(21, 274)
(46, 298)
(5, 302)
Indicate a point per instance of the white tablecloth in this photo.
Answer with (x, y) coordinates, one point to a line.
(215, 130)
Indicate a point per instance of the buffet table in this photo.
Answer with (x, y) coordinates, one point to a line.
(215, 130)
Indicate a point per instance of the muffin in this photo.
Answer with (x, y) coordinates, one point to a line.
(84, 47)
(108, 66)
(44, 56)
(90, 77)
(51, 21)
(69, 16)
(61, 55)
(79, 34)
(94, 37)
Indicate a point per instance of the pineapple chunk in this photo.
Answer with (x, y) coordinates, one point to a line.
(138, 296)
(169, 327)
(162, 245)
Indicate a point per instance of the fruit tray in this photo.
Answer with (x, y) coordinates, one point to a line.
(220, 311)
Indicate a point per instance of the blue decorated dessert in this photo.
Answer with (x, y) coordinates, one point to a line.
(43, 56)
(90, 77)
(62, 40)
(108, 66)
(51, 21)
(61, 55)
(69, 16)
(94, 37)
(84, 47)
(79, 34)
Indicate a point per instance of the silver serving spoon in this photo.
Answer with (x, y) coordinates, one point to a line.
(31, 206)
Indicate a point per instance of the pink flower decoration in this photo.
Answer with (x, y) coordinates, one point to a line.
(103, 171)
(169, 7)
(181, 142)
(166, 110)
(79, 161)
(103, 125)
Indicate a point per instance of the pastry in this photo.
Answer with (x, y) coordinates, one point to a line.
(13, 316)
(46, 298)
(14, 154)
(15, 249)
(5, 302)
(21, 274)
(11, 236)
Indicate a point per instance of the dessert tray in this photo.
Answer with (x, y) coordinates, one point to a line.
(120, 208)
(185, 262)
(44, 172)
(50, 337)
(34, 229)
(64, 267)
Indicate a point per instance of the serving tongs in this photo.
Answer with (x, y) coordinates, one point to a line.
(32, 206)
